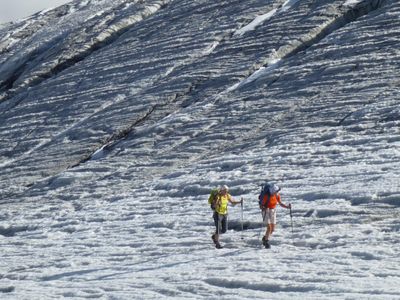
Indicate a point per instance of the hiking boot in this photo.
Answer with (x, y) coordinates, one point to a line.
(218, 245)
(214, 238)
(265, 242)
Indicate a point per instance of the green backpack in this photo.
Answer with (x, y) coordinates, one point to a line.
(213, 197)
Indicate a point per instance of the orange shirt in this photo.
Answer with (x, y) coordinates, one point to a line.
(273, 200)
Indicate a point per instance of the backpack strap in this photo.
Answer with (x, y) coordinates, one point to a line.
(265, 205)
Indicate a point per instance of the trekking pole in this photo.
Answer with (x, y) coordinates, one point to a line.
(241, 217)
(218, 224)
(217, 244)
(291, 220)
(264, 214)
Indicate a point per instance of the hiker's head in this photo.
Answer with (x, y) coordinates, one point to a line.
(224, 189)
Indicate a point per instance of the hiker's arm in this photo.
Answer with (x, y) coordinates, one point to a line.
(233, 201)
(284, 205)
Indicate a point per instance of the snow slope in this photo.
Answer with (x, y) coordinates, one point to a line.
(118, 117)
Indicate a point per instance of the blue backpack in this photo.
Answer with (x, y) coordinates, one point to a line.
(267, 189)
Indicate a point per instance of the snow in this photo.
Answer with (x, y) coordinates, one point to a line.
(352, 2)
(257, 21)
(263, 71)
(265, 17)
(109, 150)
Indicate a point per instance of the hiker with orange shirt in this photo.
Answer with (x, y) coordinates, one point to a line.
(268, 200)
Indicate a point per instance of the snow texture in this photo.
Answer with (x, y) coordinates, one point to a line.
(117, 118)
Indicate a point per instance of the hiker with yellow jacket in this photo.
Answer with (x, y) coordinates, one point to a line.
(219, 200)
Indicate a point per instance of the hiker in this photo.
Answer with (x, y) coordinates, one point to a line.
(269, 198)
(219, 203)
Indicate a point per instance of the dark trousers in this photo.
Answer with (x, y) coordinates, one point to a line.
(221, 223)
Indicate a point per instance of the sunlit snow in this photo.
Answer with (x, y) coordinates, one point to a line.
(118, 117)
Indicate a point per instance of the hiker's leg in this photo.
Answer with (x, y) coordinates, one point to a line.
(271, 222)
(270, 230)
(224, 223)
(268, 221)
(217, 222)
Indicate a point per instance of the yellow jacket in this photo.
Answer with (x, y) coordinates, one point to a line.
(222, 204)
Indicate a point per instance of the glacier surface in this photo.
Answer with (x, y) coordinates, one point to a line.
(118, 117)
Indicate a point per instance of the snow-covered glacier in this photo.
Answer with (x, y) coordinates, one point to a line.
(117, 117)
